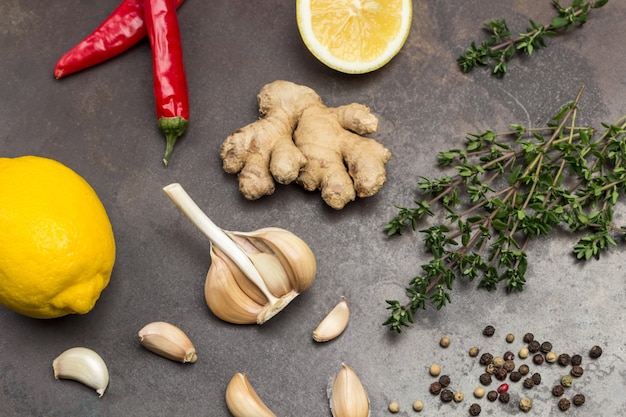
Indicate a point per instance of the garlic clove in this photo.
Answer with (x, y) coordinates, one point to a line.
(225, 297)
(294, 254)
(247, 286)
(347, 396)
(334, 323)
(83, 365)
(168, 341)
(243, 401)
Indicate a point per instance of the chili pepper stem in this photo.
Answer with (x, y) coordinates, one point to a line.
(173, 128)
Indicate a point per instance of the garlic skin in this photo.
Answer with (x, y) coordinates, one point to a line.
(334, 323)
(168, 341)
(83, 365)
(253, 276)
(243, 401)
(347, 396)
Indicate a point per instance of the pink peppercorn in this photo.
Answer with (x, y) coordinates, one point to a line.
(503, 388)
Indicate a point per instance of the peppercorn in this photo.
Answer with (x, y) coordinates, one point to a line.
(501, 374)
(515, 376)
(509, 366)
(529, 337)
(558, 390)
(458, 396)
(566, 381)
(489, 331)
(434, 369)
(504, 397)
(534, 346)
(473, 352)
(595, 352)
(508, 356)
(528, 383)
(486, 358)
(498, 361)
(444, 380)
(492, 395)
(523, 369)
(536, 377)
(444, 342)
(503, 388)
(563, 359)
(576, 360)
(525, 404)
(446, 395)
(394, 407)
(564, 404)
(546, 347)
(551, 357)
(479, 392)
(418, 405)
(577, 371)
(474, 409)
(537, 358)
(490, 369)
(578, 400)
(510, 338)
(485, 379)
(523, 353)
(435, 388)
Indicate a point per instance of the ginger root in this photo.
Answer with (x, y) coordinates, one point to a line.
(298, 138)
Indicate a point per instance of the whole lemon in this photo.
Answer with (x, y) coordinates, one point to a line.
(57, 247)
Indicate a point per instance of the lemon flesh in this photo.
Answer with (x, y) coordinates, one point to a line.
(354, 36)
(57, 247)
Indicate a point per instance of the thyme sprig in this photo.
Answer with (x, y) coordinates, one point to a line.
(508, 189)
(501, 45)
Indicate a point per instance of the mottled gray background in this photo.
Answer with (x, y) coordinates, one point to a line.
(101, 123)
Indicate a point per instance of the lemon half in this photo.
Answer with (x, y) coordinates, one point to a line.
(354, 36)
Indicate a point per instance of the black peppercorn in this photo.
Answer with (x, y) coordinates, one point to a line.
(524, 369)
(485, 379)
(492, 395)
(564, 404)
(595, 352)
(489, 331)
(486, 358)
(529, 337)
(546, 347)
(534, 346)
(528, 383)
(563, 359)
(501, 374)
(435, 388)
(576, 371)
(538, 359)
(508, 356)
(444, 381)
(536, 378)
(474, 409)
(515, 376)
(558, 390)
(509, 365)
(578, 400)
(576, 360)
(504, 397)
(446, 395)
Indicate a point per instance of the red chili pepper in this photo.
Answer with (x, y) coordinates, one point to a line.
(123, 28)
(170, 80)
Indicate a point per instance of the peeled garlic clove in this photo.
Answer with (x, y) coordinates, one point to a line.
(167, 340)
(225, 297)
(82, 365)
(243, 401)
(334, 323)
(347, 396)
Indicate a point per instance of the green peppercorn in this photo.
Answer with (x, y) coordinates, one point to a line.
(576, 371)
(474, 409)
(558, 390)
(576, 360)
(595, 352)
(525, 404)
(489, 331)
(567, 381)
(578, 400)
(563, 359)
(564, 404)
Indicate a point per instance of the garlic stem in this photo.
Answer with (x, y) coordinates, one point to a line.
(217, 237)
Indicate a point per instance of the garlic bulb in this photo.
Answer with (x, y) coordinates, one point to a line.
(347, 396)
(253, 275)
(243, 401)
